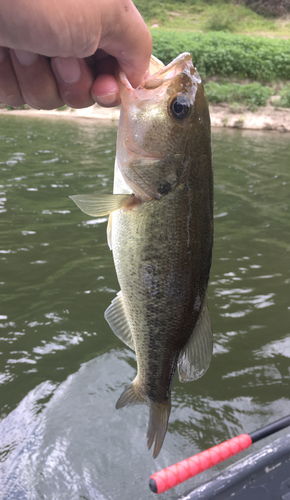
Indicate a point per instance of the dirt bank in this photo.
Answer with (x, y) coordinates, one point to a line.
(222, 115)
(265, 118)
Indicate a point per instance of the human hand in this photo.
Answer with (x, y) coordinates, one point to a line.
(66, 52)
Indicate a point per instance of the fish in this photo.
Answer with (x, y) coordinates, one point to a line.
(160, 230)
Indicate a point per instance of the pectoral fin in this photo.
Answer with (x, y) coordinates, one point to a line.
(195, 357)
(100, 204)
(116, 317)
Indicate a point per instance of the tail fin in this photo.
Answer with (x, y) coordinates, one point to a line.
(158, 416)
(157, 426)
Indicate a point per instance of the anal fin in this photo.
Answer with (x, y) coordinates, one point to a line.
(116, 317)
(194, 359)
(131, 396)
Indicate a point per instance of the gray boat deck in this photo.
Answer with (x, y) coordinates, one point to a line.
(263, 475)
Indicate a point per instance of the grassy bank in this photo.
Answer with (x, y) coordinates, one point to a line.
(223, 57)
(217, 15)
(229, 43)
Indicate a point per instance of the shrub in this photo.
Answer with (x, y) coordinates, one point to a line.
(252, 94)
(268, 7)
(284, 100)
(220, 23)
(225, 54)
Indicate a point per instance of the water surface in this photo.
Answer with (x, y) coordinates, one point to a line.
(61, 367)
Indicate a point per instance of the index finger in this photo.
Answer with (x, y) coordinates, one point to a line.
(126, 37)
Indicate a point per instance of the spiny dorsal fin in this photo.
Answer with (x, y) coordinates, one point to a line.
(116, 317)
(99, 205)
(195, 357)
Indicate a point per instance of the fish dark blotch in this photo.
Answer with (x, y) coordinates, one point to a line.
(164, 187)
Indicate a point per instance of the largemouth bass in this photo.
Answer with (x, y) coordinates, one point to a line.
(160, 230)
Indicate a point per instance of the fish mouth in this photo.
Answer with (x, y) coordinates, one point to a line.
(160, 74)
(131, 95)
(181, 63)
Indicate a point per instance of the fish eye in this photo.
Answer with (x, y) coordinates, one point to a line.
(180, 107)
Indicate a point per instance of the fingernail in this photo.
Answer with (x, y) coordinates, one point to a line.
(105, 100)
(25, 58)
(68, 69)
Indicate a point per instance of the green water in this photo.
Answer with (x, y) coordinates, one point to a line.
(61, 367)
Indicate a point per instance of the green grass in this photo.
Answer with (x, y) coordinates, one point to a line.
(12, 108)
(62, 108)
(210, 15)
